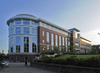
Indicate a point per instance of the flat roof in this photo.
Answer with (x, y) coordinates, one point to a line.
(85, 39)
(74, 29)
(36, 19)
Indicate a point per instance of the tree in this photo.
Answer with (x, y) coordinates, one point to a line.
(63, 49)
(56, 48)
(92, 50)
(73, 48)
(43, 53)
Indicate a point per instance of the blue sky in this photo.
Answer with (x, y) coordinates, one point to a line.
(81, 14)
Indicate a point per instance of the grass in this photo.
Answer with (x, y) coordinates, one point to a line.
(77, 56)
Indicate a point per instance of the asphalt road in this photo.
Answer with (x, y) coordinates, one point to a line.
(21, 68)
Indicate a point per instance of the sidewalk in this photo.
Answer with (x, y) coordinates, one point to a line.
(21, 68)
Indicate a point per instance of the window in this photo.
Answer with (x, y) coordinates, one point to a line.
(48, 26)
(69, 35)
(18, 30)
(99, 47)
(48, 38)
(51, 28)
(11, 44)
(63, 40)
(11, 23)
(26, 30)
(43, 41)
(60, 41)
(26, 22)
(52, 48)
(12, 31)
(34, 31)
(56, 40)
(26, 44)
(42, 24)
(52, 39)
(17, 44)
(48, 48)
(33, 23)
(66, 44)
(34, 44)
(43, 33)
(18, 22)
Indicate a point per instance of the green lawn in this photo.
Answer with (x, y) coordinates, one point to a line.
(78, 56)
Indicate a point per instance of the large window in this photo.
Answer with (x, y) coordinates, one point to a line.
(66, 44)
(60, 42)
(34, 31)
(43, 41)
(26, 22)
(43, 33)
(33, 23)
(11, 44)
(63, 41)
(18, 22)
(26, 30)
(52, 41)
(17, 44)
(48, 38)
(48, 26)
(18, 30)
(26, 44)
(42, 24)
(34, 44)
(56, 40)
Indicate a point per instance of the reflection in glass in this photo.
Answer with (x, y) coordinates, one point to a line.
(34, 44)
(17, 44)
(26, 44)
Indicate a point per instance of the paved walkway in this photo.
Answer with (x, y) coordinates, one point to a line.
(21, 68)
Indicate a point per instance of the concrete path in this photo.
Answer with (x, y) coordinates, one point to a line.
(21, 68)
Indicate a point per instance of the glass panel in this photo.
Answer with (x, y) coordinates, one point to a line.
(48, 38)
(43, 33)
(11, 44)
(26, 30)
(17, 44)
(26, 22)
(34, 44)
(18, 30)
(18, 22)
(11, 23)
(56, 40)
(12, 31)
(34, 31)
(26, 44)
(33, 23)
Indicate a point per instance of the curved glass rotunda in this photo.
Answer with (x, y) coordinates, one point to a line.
(22, 37)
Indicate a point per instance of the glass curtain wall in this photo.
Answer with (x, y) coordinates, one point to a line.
(11, 44)
(18, 44)
(34, 44)
(26, 44)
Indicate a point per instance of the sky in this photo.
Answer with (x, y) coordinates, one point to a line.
(81, 14)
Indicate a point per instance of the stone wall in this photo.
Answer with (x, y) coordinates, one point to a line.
(66, 68)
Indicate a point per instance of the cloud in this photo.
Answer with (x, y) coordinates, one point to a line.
(92, 36)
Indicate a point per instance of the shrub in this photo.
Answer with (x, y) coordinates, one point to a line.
(47, 60)
(51, 53)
